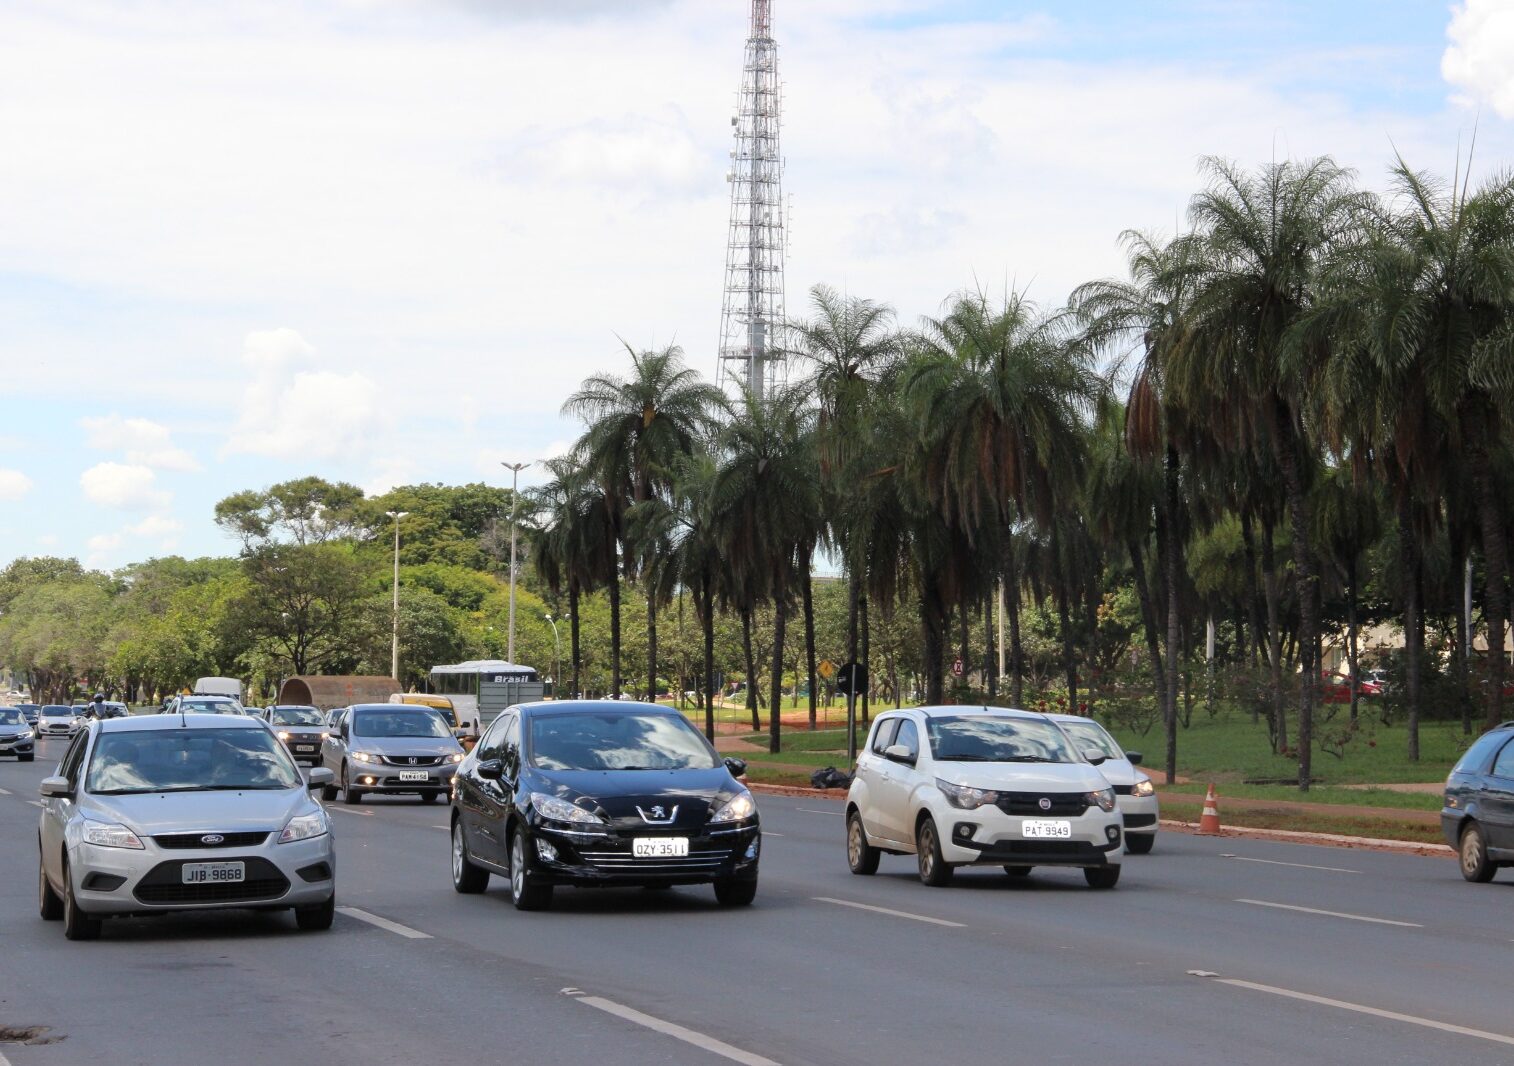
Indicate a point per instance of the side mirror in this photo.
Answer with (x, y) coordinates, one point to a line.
(55, 786)
(1095, 756)
(493, 769)
(319, 776)
(736, 766)
(899, 753)
(1134, 757)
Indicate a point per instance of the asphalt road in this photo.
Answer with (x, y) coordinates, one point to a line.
(1391, 959)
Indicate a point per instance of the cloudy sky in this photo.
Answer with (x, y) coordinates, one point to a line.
(380, 240)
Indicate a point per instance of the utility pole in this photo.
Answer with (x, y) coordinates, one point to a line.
(394, 651)
(515, 469)
(556, 656)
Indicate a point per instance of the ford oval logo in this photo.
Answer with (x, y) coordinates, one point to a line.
(212, 839)
(1045, 803)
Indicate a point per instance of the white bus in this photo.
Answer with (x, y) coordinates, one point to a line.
(480, 688)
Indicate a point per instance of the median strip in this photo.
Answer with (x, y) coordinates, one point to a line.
(889, 911)
(1330, 914)
(384, 923)
(689, 1036)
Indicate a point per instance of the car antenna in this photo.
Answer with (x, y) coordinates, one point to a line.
(182, 724)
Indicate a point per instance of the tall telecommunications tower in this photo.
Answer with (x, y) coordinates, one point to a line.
(751, 318)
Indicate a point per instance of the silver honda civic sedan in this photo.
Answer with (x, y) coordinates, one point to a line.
(181, 812)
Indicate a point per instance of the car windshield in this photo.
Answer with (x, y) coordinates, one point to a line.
(417, 723)
(295, 716)
(618, 742)
(193, 706)
(57, 712)
(986, 738)
(11, 716)
(1091, 735)
(189, 760)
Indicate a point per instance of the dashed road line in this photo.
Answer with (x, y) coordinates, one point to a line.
(689, 1036)
(1359, 1008)
(384, 923)
(1297, 865)
(344, 810)
(5, 792)
(888, 911)
(1330, 914)
(811, 810)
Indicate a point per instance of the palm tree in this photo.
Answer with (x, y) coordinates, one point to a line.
(1347, 518)
(636, 428)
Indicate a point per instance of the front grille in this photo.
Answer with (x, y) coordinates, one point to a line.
(195, 841)
(1028, 804)
(1043, 851)
(1124, 790)
(625, 862)
(164, 884)
(413, 760)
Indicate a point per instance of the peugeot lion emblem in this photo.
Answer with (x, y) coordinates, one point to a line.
(1045, 803)
(658, 815)
(212, 838)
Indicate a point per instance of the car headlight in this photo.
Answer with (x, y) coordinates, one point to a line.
(965, 797)
(458, 756)
(560, 810)
(363, 756)
(1103, 799)
(111, 835)
(736, 809)
(283, 734)
(1143, 787)
(25, 734)
(305, 826)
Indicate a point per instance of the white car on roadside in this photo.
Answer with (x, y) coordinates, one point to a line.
(1134, 792)
(961, 786)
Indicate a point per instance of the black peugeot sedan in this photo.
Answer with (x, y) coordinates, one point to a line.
(1478, 816)
(595, 794)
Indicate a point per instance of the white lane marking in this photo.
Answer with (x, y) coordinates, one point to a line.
(384, 923)
(678, 1032)
(770, 833)
(35, 803)
(441, 827)
(5, 792)
(1298, 865)
(344, 810)
(1391, 1015)
(811, 810)
(886, 910)
(1330, 914)
(3, 1060)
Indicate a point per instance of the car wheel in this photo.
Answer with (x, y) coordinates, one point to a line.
(466, 877)
(861, 856)
(25, 758)
(934, 870)
(76, 924)
(1018, 871)
(328, 792)
(733, 893)
(1140, 843)
(350, 795)
(1102, 876)
(314, 919)
(525, 893)
(430, 797)
(48, 903)
(1473, 853)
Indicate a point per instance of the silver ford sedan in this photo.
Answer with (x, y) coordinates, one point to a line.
(183, 812)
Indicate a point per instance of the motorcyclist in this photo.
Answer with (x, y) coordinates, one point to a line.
(97, 708)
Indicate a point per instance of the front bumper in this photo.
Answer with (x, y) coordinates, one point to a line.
(10, 746)
(109, 881)
(57, 730)
(1139, 814)
(988, 835)
(303, 748)
(606, 859)
(381, 777)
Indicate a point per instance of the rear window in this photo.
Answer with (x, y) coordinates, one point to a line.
(1480, 754)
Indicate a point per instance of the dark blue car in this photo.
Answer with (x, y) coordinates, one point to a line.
(596, 794)
(1478, 818)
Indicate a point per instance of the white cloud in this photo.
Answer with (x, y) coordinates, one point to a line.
(1480, 57)
(103, 543)
(291, 413)
(389, 473)
(48, 540)
(126, 487)
(157, 526)
(144, 442)
(13, 485)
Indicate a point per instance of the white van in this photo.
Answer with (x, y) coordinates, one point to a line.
(219, 686)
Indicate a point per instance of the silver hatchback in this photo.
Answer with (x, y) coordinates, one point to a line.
(189, 812)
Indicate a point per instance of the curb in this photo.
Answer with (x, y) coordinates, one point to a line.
(795, 790)
(1333, 840)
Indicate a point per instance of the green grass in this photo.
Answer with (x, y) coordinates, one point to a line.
(816, 759)
(1349, 797)
(1380, 827)
(820, 740)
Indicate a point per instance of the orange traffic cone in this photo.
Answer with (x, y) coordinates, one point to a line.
(1209, 821)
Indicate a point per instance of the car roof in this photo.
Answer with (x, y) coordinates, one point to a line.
(412, 708)
(148, 722)
(593, 707)
(1056, 717)
(958, 710)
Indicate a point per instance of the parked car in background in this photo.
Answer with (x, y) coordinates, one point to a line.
(17, 737)
(148, 815)
(301, 729)
(1336, 688)
(390, 748)
(1478, 816)
(220, 686)
(960, 786)
(1134, 793)
(56, 719)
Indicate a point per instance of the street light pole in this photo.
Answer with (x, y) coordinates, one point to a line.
(394, 651)
(515, 469)
(556, 656)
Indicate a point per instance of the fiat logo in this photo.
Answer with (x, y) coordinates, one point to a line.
(212, 839)
(1045, 803)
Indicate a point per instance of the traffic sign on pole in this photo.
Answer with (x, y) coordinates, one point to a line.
(851, 679)
(957, 667)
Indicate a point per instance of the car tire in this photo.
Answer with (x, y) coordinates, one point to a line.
(318, 917)
(734, 893)
(430, 797)
(1472, 855)
(525, 892)
(934, 870)
(350, 795)
(1101, 876)
(25, 758)
(49, 905)
(328, 792)
(466, 877)
(1018, 871)
(1140, 843)
(861, 856)
(76, 924)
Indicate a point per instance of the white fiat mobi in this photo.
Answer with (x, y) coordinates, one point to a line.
(977, 786)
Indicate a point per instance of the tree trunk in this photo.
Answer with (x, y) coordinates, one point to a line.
(933, 619)
(990, 682)
(1464, 647)
(1148, 613)
(1069, 663)
(573, 637)
(1016, 651)
(809, 636)
(1352, 630)
(615, 637)
(1495, 557)
(751, 668)
(707, 624)
(866, 659)
(1307, 583)
(1174, 623)
(775, 712)
(1274, 640)
(651, 647)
